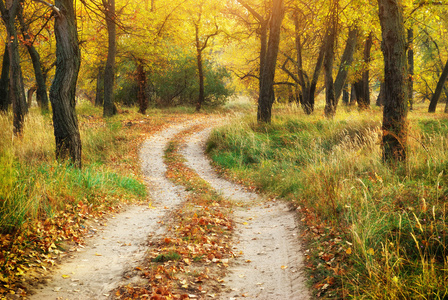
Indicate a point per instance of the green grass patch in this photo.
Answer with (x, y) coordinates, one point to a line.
(169, 256)
(385, 227)
(33, 185)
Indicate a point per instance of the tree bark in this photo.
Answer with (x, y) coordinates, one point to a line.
(201, 95)
(353, 98)
(395, 73)
(109, 71)
(41, 92)
(411, 67)
(63, 88)
(435, 97)
(308, 86)
(5, 100)
(380, 99)
(362, 86)
(266, 98)
(346, 61)
(141, 94)
(16, 87)
(201, 45)
(330, 101)
(99, 95)
(29, 95)
(345, 95)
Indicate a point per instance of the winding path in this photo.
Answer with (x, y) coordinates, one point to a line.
(267, 237)
(269, 266)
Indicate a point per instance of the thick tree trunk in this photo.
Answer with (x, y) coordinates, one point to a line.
(395, 73)
(109, 71)
(411, 68)
(263, 49)
(435, 97)
(5, 100)
(63, 88)
(141, 95)
(346, 61)
(16, 87)
(266, 98)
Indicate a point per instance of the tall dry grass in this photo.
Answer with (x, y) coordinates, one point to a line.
(33, 185)
(394, 216)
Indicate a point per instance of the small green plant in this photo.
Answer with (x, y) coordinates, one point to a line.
(169, 256)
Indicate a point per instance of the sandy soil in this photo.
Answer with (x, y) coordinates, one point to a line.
(117, 247)
(269, 261)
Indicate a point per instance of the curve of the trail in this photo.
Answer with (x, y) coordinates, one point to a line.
(269, 265)
(117, 246)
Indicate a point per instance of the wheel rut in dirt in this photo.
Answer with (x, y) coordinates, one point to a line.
(270, 262)
(120, 242)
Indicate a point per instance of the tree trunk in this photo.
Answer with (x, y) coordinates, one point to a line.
(263, 49)
(362, 87)
(30, 94)
(313, 84)
(5, 100)
(395, 73)
(435, 97)
(353, 98)
(99, 95)
(41, 92)
(411, 68)
(201, 95)
(16, 87)
(41, 96)
(63, 88)
(346, 61)
(266, 98)
(308, 87)
(330, 101)
(345, 95)
(109, 71)
(141, 95)
(381, 96)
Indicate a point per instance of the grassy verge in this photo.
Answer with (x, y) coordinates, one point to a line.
(373, 232)
(190, 260)
(44, 203)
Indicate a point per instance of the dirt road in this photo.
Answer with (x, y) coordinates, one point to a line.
(269, 266)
